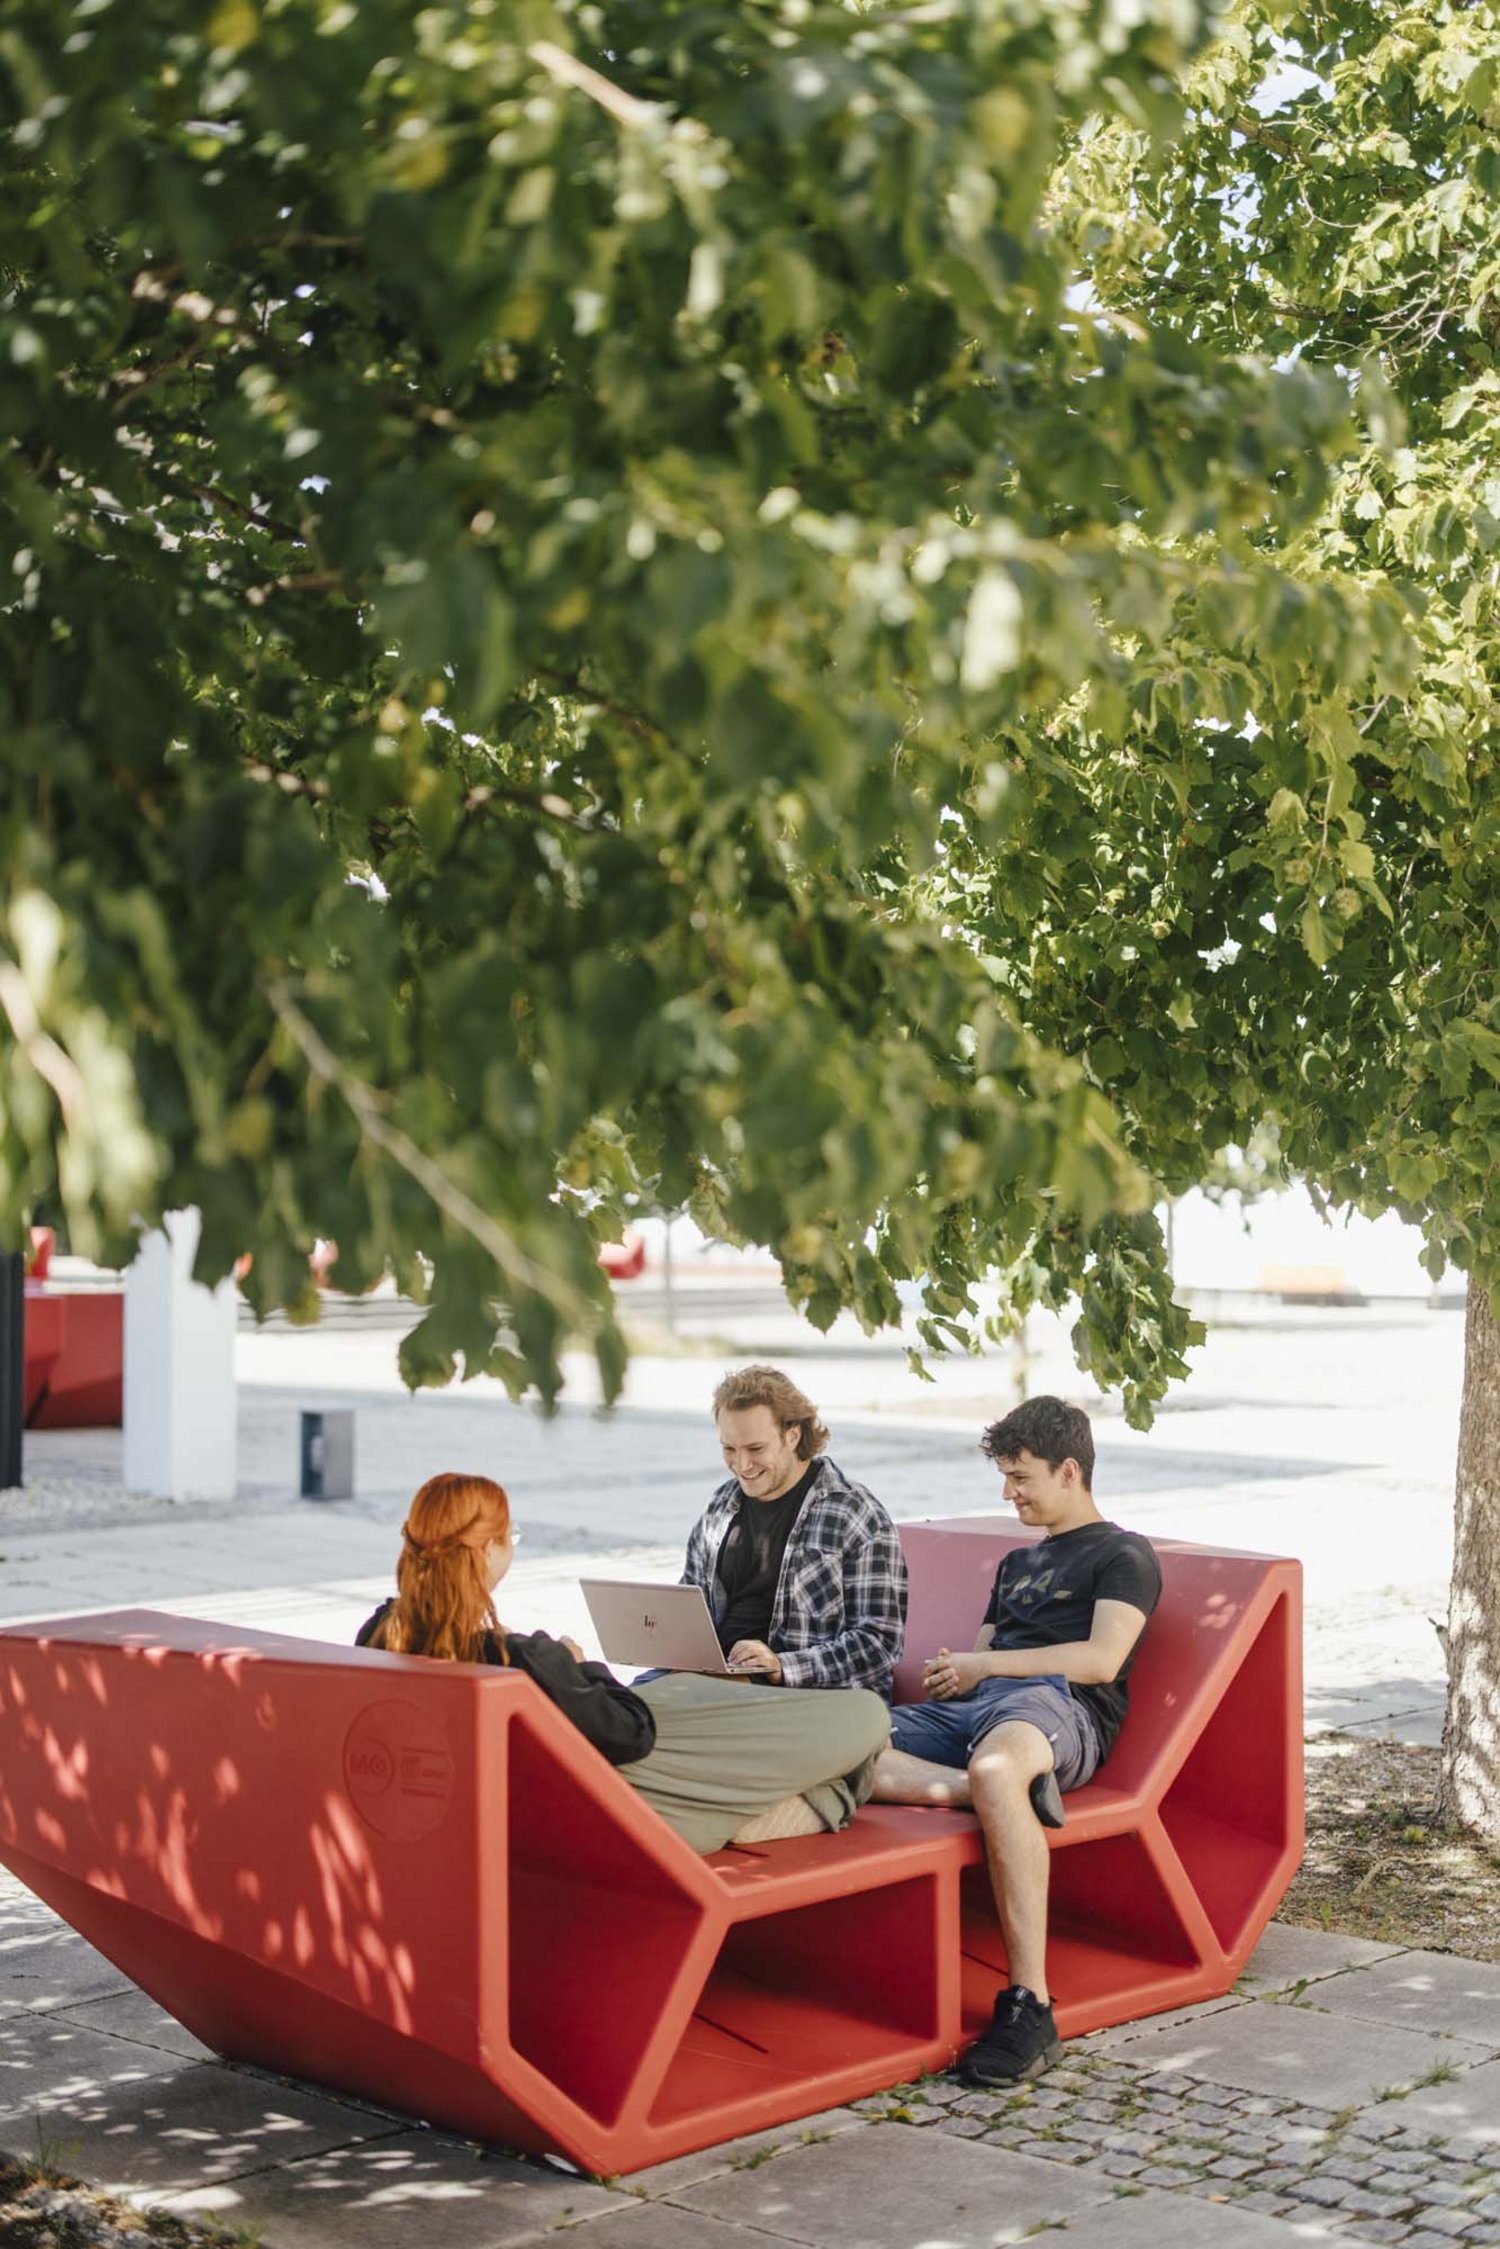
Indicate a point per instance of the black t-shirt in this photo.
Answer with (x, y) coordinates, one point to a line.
(1045, 1594)
(617, 1721)
(750, 1561)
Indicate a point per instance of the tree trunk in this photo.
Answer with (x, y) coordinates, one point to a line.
(1471, 1732)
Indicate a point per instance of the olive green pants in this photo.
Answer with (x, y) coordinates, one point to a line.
(726, 1750)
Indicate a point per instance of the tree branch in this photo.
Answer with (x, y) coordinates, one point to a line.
(41, 1050)
(1251, 129)
(626, 109)
(452, 1200)
(562, 684)
(552, 807)
(294, 239)
(290, 784)
(214, 495)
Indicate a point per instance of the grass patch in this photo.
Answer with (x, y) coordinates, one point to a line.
(1380, 1863)
(43, 2207)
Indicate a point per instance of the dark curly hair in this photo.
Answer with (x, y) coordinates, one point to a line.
(1049, 1429)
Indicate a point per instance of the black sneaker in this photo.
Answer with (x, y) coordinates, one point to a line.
(1046, 1800)
(1022, 2041)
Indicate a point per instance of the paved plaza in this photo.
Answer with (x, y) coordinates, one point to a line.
(1329, 1435)
(1345, 2092)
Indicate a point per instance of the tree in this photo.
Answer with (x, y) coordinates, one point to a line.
(1276, 902)
(538, 543)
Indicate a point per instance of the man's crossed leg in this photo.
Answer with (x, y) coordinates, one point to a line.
(1004, 1751)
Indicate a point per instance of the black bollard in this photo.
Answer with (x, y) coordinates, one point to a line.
(12, 1365)
(328, 1455)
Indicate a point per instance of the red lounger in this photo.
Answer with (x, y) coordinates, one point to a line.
(84, 1384)
(416, 1882)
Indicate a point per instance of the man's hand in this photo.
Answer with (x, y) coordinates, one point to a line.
(572, 1647)
(756, 1661)
(947, 1675)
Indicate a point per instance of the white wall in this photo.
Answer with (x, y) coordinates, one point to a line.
(1230, 1245)
(179, 1371)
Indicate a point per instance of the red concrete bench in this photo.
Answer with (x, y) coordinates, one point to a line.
(81, 1385)
(416, 1882)
(75, 1347)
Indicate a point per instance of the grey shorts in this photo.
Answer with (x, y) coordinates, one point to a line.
(948, 1733)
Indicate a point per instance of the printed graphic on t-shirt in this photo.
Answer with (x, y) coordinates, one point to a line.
(1030, 1592)
(1045, 1596)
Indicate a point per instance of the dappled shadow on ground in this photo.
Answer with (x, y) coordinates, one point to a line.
(1380, 1863)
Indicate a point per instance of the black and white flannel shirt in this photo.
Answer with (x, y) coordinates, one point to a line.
(839, 1617)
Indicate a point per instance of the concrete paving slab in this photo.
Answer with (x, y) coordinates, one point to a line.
(1421, 1728)
(1422, 1991)
(130, 2117)
(1335, 1712)
(662, 2179)
(130, 2014)
(1188, 2221)
(1464, 2111)
(1296, 2052)
(1125, 2036)
(47, 1965)
(657, 2225)
(48, 2064)
(306, 1615)
(24, 1920)
(1288, 1955)
(387, 2193)
(894, 2185)
(20, 1907)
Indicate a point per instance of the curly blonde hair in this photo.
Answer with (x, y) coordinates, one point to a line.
(768, 1386)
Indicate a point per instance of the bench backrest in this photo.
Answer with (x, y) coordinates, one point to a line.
(367, 1824)
(1217, 1608)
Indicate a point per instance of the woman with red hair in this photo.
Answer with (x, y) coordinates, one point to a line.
(721, 1760)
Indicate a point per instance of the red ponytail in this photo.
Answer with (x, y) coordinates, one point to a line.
(443, 1605)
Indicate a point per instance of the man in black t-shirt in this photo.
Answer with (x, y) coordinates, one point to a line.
(1035, 1707)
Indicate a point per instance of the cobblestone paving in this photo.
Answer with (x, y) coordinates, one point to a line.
(1361, 2169)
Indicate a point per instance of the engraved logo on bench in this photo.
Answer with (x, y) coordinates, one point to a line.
(398, 1769)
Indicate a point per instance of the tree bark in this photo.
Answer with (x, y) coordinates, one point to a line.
(1470, 1789)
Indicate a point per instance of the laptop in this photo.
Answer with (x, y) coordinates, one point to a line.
(654, 1624)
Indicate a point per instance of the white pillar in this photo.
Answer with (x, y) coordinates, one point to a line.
(179, 1371)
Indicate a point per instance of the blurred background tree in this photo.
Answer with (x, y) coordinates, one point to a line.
(1280, 908)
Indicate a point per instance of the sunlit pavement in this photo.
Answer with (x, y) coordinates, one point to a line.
(1346, 2092)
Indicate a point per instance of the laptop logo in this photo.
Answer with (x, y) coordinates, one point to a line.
(649, 1623)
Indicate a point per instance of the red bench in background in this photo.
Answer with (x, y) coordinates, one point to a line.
(75, 1347)
(416, 1882)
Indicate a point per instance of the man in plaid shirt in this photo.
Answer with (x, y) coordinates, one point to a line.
(802, 1569)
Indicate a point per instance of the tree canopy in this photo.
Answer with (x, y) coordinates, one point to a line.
(1290, 914)
(538, 558)
(552, 552)
(877, 621)
(1290, 911)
